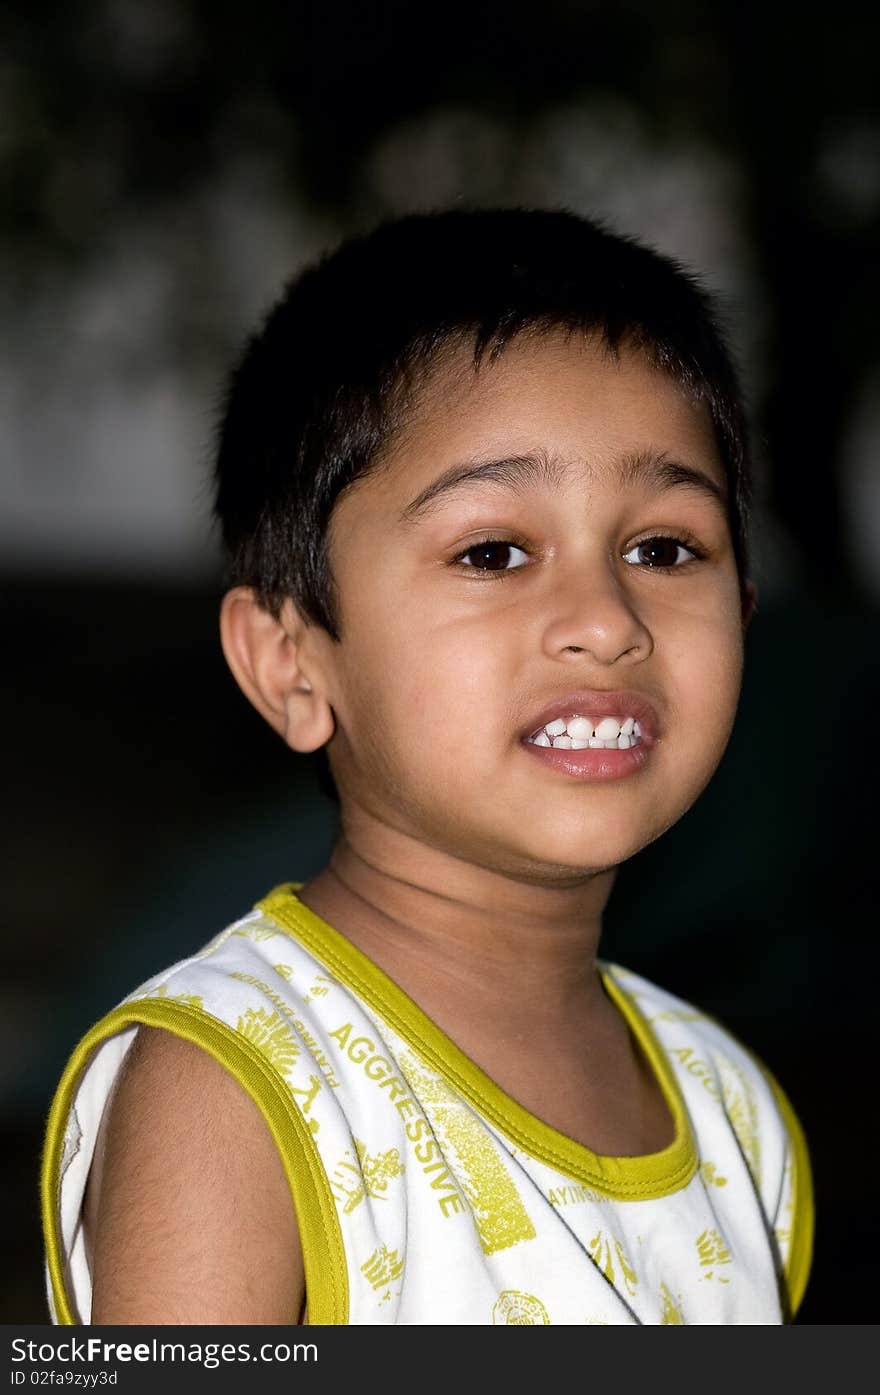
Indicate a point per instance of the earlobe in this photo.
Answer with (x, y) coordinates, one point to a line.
(267, 658)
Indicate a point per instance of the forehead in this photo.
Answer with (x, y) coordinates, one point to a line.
(574, 403)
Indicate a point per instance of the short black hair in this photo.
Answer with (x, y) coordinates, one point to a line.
(322, 388)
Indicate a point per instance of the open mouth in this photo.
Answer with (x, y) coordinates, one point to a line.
(579, 733)
(594, 735)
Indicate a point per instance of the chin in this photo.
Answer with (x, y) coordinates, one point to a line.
(554, 866)
(593, 847)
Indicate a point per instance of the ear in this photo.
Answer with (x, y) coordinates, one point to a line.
(749, 603)
(274, 664)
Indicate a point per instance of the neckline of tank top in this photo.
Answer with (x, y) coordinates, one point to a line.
(636, 1178)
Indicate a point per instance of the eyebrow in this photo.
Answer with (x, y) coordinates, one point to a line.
(518, 472)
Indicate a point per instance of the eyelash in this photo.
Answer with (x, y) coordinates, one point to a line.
(684, 539)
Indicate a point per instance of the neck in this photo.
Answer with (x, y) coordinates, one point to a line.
(439, 925)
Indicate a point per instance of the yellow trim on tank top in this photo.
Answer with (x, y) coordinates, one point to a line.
(803, 1209)
(798, 1262)
(643, 1178)
(326, 1276)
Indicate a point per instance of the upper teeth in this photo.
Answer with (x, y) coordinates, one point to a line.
(576, 733)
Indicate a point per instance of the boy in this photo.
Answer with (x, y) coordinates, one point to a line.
(483, 484)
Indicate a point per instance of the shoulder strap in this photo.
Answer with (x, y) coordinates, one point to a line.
(323, 1253)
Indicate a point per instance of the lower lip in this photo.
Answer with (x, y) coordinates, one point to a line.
(590, 764)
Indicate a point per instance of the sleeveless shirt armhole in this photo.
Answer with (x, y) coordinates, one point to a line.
(800, 1254)
(326, 1278)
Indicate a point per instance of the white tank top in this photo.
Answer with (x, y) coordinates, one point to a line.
(424, 1193)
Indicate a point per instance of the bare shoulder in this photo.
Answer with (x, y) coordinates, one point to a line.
(188, 1213)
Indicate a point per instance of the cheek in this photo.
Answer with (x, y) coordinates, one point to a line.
(428, 692)
(447, 695)
(712, 679)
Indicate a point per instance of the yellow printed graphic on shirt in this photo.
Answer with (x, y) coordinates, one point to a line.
(672, 1315)
(367, 1174)
(678, 1015)
(347, 1183)
(784, 1228)
(609, 1256)
(514, 1309)
(499, 1214)
(271, 1035)
(258, 932)
(378, 1168)
(709, 1174)
(285, 1010)
(713, 1253)
(309, 1094)
(383, 1268)
(700, 1070)
(571, 1195)
(320, 988)
(741, 1108)
(191, 999)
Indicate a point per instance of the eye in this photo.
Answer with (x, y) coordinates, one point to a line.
(493, 555)
(662, 553)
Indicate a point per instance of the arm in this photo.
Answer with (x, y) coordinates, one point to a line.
(188, 1214)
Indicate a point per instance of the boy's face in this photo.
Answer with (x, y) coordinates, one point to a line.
(449, 657)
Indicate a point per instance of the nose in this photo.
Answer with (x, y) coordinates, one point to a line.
(592, 613)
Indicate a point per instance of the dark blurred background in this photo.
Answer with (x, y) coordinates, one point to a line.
(165, 166)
